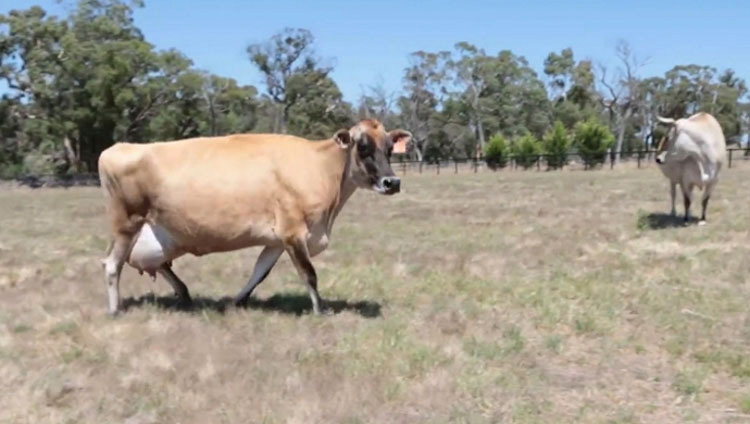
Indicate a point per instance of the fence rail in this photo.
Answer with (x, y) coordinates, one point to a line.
(406, 167)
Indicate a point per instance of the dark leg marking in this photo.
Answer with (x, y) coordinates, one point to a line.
(300, 256)
(263, 266)
(180, 289)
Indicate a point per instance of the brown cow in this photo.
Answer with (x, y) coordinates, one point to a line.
(218, 194)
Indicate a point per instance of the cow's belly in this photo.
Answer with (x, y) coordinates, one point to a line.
(153, 247)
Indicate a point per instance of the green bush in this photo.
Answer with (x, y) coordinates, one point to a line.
(496, 152)
(592, 141)
(556, 144)
(526, 151)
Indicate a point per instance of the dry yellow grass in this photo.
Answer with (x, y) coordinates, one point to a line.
(497, 297)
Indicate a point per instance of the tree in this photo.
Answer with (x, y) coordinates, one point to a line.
(518, 101)
(556, 144)
(621, 95)
(572, 88)
(288, 65)
(526, 150)
(496, 152)
(559, 68)
(472, 72)
(592, 140)
(378, 102)
(424, 88)
(90, 79)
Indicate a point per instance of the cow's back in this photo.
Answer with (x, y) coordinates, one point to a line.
(705, 128)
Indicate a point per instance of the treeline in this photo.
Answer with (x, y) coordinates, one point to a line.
(76, 84)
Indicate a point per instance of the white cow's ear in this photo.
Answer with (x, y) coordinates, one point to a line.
(665, 121)
(343, 138)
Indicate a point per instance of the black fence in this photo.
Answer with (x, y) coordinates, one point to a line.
(640, 159)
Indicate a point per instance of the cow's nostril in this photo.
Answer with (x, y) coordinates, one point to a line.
(387, 183)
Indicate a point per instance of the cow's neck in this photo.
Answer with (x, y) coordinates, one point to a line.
(339, 162)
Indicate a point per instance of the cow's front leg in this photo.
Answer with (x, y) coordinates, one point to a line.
(266, 260)
(113, 263)
(673, 194)
(180, 289)
(297, 250)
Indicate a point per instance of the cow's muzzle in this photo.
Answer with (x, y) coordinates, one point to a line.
(388, 185)
(660, 158)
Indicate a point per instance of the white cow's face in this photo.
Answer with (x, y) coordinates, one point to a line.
(665, 143)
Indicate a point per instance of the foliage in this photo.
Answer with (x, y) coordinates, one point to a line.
(78, 83)
(496, 152)
(307, 100)
(526, 150)
(556, 144)
(592, 140)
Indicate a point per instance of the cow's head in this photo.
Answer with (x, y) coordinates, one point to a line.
(370, 146)
(666, 141)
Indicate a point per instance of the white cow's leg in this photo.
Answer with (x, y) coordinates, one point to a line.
(180, 289)
(673, 194)
(706, 195)
(113, 267)
(687, 193)
(297, 250)
(266, 260)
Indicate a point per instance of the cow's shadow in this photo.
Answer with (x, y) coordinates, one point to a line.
(286, 303)
(660, 221)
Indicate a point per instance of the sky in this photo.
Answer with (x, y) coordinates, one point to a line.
(369, 42)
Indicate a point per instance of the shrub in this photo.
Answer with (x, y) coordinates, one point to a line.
(496, 152)
(556, 144)
(592, 141)
(526, 151)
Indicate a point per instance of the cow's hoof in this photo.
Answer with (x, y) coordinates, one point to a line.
(114, 314)
(184, 302)
(324, 312)
(239, 302)
(702, 222)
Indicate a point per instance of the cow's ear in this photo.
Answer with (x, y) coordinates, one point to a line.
(399, 136)
(343, 138)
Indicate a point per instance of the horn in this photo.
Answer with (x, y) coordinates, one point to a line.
(665, 121)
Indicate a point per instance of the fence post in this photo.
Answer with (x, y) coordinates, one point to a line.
(455, 166)
(538, 162)
(475, 165)
(730, 157)
(438, 167)
(404, 167)
(639, 159)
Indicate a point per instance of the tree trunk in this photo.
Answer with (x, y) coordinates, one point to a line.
(480, 131)
(284, 119)
(621, 133)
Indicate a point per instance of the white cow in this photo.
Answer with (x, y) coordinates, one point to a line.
(691, 154)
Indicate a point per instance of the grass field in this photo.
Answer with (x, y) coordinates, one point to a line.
(519, 297)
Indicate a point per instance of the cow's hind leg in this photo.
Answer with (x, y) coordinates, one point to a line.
(180, 289)
(687, 192)
(113, 263)
(706, 195)
(266, 260)
(297, 250)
